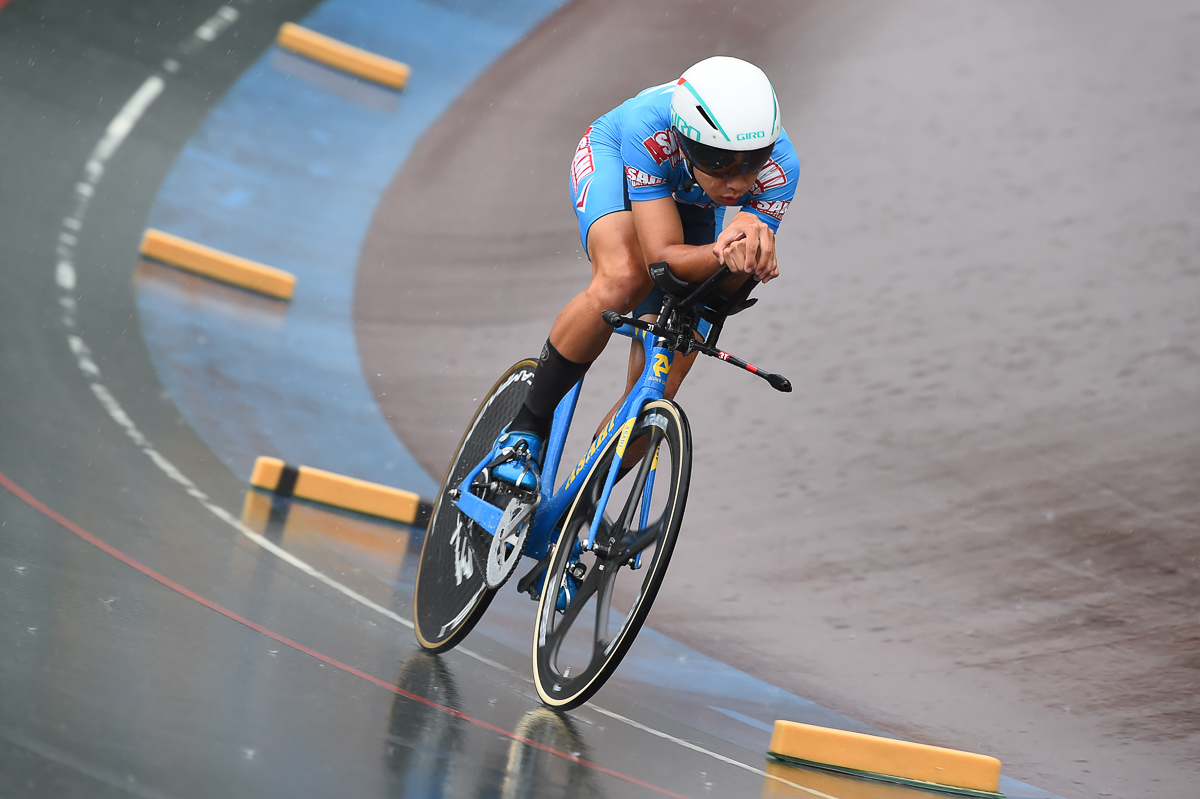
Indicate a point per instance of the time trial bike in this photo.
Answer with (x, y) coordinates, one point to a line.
(603, 539)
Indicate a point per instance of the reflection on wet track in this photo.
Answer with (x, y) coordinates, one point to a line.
(449, 748)
(546, 756)
(421, 738)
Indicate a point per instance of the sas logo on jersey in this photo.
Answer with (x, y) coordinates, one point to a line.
(663, 147)
(583, 164)
(581, 198)
(770, 176)
(637, 177)
(775, 208)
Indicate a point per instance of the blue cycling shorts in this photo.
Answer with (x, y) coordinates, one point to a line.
(597, 179)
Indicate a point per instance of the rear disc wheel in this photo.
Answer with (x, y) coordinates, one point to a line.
(451, 590)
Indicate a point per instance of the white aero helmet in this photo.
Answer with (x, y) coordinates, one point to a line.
(726, 116)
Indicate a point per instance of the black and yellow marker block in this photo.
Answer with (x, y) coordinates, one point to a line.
(347, 58)
(218, 265)
(872, 757)
(340, 491)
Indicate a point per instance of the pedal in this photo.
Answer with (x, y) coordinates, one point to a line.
(519, 453)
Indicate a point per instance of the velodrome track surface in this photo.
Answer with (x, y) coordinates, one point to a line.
(991, 322)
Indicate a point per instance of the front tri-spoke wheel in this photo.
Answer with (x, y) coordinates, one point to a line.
(595, 600)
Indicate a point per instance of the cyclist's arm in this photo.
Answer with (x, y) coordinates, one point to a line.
(660, 232)
(746, 245)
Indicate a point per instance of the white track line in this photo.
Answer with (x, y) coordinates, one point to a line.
(65, 276)
(697, 748)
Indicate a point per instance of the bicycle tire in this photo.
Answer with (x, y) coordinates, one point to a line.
(558, 684)
(451, 590)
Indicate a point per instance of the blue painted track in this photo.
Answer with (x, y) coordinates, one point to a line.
(287, 170)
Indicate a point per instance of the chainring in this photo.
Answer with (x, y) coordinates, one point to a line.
(508, 544)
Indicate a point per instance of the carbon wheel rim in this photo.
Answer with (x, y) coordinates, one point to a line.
(575, 652)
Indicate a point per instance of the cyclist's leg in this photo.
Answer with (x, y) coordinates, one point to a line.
(619, 281)
(699, 227)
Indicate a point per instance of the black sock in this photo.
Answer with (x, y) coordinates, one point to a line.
(554, 377)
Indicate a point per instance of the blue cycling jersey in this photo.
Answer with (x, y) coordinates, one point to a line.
(639, 130)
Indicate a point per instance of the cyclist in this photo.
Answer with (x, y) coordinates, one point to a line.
(647, 181)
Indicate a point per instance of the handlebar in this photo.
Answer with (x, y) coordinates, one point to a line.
(615, 319)
(681, 300)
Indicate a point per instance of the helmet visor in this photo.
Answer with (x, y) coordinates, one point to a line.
(725, 163)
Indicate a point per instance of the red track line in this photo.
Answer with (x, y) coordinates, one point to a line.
(2, 3)
(30, 500)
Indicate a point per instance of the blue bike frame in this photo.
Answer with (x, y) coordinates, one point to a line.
(553, 504)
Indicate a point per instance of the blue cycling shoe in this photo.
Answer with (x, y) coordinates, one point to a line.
(521, 460)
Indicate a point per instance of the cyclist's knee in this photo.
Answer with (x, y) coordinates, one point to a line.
(620, 286)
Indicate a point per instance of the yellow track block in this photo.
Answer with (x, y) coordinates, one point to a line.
(345, 57)
(885, 758)
(218, 265)
(267, 472)
(338, 490)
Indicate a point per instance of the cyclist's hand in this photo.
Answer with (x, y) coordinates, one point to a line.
(748, 245)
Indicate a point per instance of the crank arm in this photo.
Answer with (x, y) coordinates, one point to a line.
(527, 582)
(485, 514)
